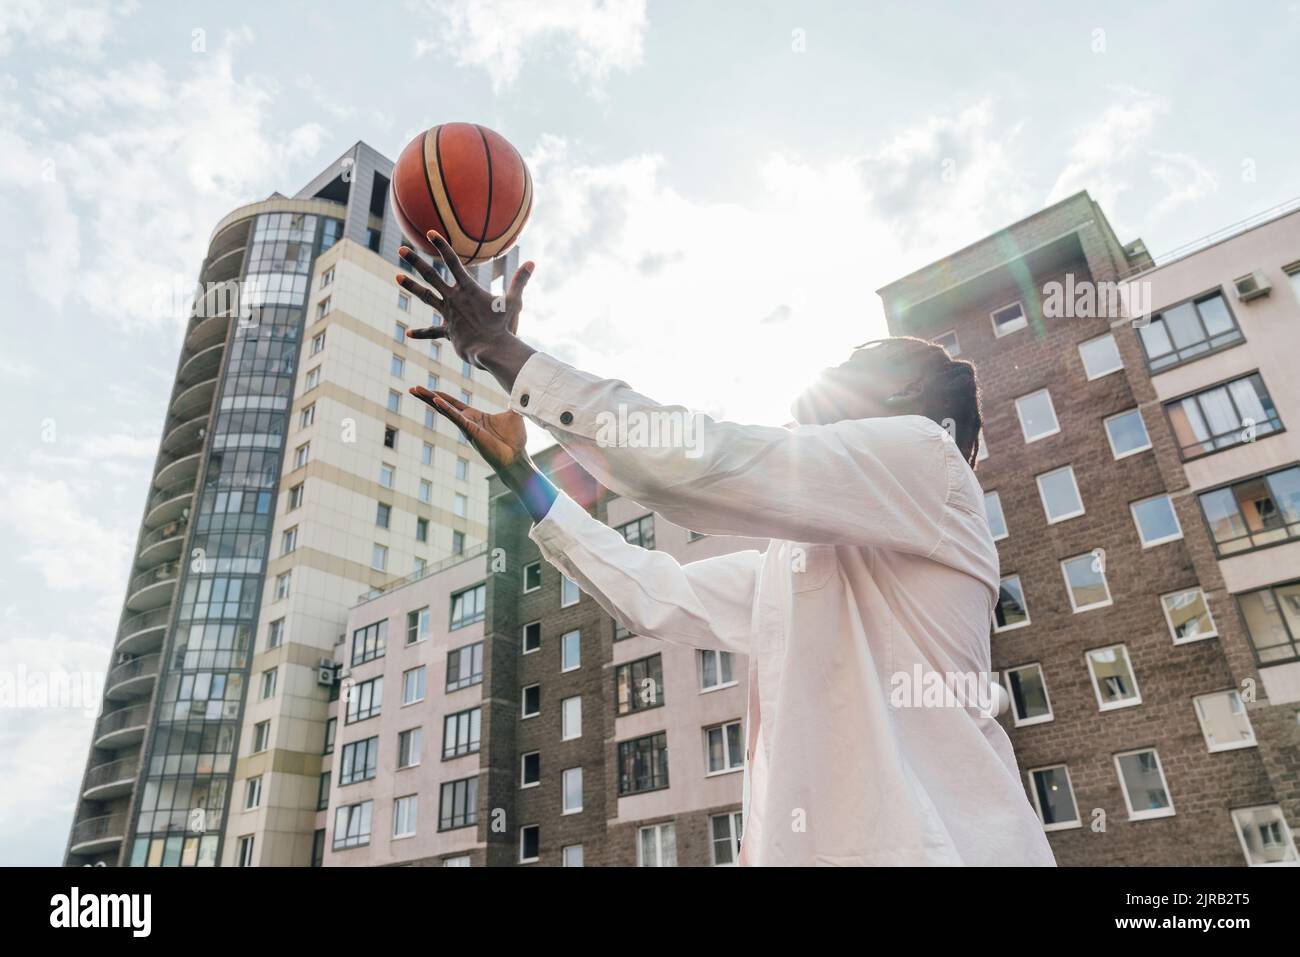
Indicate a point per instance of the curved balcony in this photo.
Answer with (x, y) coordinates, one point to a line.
(180, 469)
(110, 780)
(122, 727)
(194, 401)
(185, 437)
(202, 365)
(153, 589)
(163, 544)
(169, 503)
(132, 679)
(207, 331)
(223, 263)
(97, 834)
(143, 632)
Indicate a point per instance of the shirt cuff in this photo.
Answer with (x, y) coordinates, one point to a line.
(540, 392)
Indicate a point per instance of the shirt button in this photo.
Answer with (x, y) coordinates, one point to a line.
(523, 400)
(566, 418)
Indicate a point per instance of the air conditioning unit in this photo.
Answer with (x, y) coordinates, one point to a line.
(327, 673)
(1251, 286)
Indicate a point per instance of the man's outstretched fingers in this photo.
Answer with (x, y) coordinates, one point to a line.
(450, 258)
(423, 293)
(429, 332)
(425, 269)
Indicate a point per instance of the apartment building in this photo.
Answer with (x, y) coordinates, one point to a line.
(293, 474)
(525, 728)
(1122, 651)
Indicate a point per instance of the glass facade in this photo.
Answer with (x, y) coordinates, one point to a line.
(186, 777)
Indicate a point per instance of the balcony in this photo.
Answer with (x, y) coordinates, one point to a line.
(132, 679)
(97, 834)
(153, 589)
(163, 544)
(140, 633)
(202, 365)
(122, 728)
(195, 400)
(207, 331)
(178, 468)
(185, 437)
(168, 504)
(110, 780)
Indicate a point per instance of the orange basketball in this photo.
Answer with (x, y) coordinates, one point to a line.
(469, 184)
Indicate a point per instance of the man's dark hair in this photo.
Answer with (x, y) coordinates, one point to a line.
(950, 395)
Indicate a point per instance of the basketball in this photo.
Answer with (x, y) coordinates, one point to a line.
(468, 183)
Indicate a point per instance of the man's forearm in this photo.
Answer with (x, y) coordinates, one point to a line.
(504, 357)
(531, 487)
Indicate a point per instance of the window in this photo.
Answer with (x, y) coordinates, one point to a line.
(399, 332)
(275, 634)
(394, 405)
(331, 726)
(715, 670)
(638, 685)
(434, 349)
(639, 532)
(620, 632)
(1253, 513)
(1100, 356)
(379, 557)
(1008, 319)
(461, 860)
(569, 591)
(571, 718)
(723, 750)
(403, 302)
(307, 416)
(369, 642)
(1156, 521)
(1143, 782)
(323, 308)
(352, 825)
(1037, 416)
(1112, 678)
(532, 576)
(1028, 692)
(570, 651)
(643, 764)
(1187, 331)
(261, 736)
(1265, 838)
(253, 793)
(327, 277)
(462, 469)
(426, 491)
(390, 432)
(571, 790)
(317, 343)
(409, 746)
(397, 366)
(282, 583)
(1054, 797)
(431, 419)
(364, 700)
(268, 683)
(949, 342)
(295, 497)
(466, 370)
(413, 685)
(656, 846)
(572, 855)
(1011, 610)
(458, 804)
(1293, 275)
(459, 505)
(1224, 720)
(387, 475)
(457, 543)
(383, 514)
(1188, 615)
(468, 606)
(460, 733)
(1127, 434)
(993, 513)
(313, 379)
(1060, 495)
(1272, 617)
(529, 843)
(530, 769)
(404, 814)
(417, 625)
(1085, 582)
(358, 761)
(530, 701)
(323, 792)
(301, 455)
(418, 564)
(532, 637)
(421, 529)
(246, 851)
(725, 832)
(1224, 416)
(465, 666)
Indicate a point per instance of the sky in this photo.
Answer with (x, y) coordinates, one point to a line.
(720, 189)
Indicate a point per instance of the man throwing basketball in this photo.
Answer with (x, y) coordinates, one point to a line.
(880, 563)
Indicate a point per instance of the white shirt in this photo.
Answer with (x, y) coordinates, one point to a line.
(880, 569)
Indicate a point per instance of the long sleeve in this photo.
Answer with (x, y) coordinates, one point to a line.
(706, 604)
(883, 481)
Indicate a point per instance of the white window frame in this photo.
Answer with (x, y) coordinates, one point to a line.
(411, 801)
(1024, 431)
(700, 655)
(1111, 371)
(1016, 720)
(565, 581)
(1006, 531)
(253, 793)
(1028, 618)
(261, 736)
(1123, 787)
(416, 753)
(1102, 703)
(1289, 838)
(1033, 795)
(659, 844)
(998, 331)
(1069, 590)
(523, 763)
(732, 818)
(1105, 425)
(523, 638)
(1042, 495)
(564, 855)
(1213, 748)
(564, 638)
(1214, 627)
(950, 334)
(564, 791)
(524, 577)
(1132, 507)
(423, 680)
(564, 717)
(522, 829)
(523, 701)
(729, 768)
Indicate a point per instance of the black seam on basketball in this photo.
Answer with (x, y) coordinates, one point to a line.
(523, 198)
(487, 216)
(446, 190)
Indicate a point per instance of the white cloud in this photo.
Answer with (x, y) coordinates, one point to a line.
(1185, 179)
(81, 28)
(597, 37)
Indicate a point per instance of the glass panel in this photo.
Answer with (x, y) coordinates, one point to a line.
(1223, 718)
(1029, 693)
(1215, 315)
(1189, 617)
(1114, 678)
(1142, 782)
(1055, 800)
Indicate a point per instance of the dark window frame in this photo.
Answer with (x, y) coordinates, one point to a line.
(1228, 486)
(634, 680)
(1275, 419)
(1293, 639)
(657, 742)
(474, 678)
(1195, 302)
